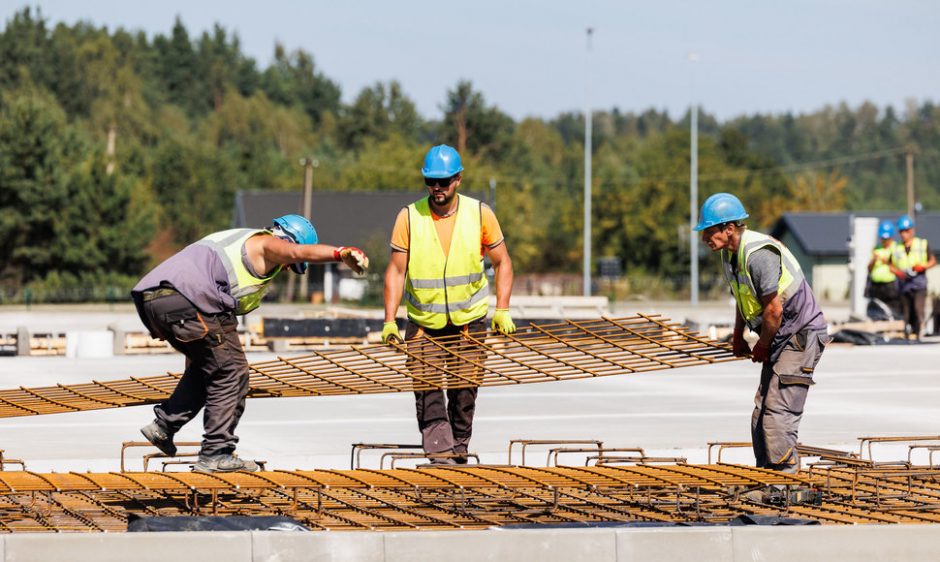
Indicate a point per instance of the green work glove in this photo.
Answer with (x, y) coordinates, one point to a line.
(502, 321)
(390, 333)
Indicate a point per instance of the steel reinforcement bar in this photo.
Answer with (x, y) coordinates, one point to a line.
(464, 497)
(539, 353)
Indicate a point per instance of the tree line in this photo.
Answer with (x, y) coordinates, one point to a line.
(117, 148)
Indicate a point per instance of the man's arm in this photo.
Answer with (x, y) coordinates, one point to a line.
(267, 252)
(394, 283)
(772, 316)
(502, 266)
(738, 345)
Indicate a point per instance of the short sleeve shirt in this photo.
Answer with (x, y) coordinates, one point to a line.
(764, 266)
(491, 234)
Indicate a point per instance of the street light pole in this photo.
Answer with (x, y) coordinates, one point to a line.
(588, 117)
(309, 164)
(693, 192)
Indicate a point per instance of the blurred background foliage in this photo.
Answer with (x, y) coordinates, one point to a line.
(117, 149)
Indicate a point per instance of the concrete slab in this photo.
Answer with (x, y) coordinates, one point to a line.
(551, 545)
(684, 544)
(102, 547)
(270, 546)
(874, 543)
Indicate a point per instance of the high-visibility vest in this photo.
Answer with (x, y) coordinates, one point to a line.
(742, 286)
(905, 260)
(881, 270)
(452, 288)
(247, 289)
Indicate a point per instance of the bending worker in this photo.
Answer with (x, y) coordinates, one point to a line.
(438, 244)
(912, 259)
(773, 300)
(884, 282)
(191, 300)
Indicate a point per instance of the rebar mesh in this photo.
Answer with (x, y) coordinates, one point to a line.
(465, 497)
(540, 353)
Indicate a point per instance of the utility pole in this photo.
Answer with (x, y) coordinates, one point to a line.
(308, 165)
(493, 194)
(588, 117)
(910, 182)
(693, 193)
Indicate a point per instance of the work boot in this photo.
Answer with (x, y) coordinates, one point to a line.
(462, 451)
(159, 438)
(223, 463)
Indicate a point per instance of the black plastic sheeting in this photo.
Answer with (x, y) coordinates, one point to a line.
(739, 521)
(860, 337)
(137, 524)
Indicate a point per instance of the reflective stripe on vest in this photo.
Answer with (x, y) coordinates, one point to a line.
(742, 286)
(881, 270)
(905, 260)
(247, 289)
(439, 288)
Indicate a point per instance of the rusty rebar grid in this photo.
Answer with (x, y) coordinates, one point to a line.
(539, 353)
(465, 497)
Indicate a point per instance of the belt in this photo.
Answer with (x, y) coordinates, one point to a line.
(159, 292)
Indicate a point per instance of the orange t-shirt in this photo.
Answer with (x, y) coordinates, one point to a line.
(491, 234)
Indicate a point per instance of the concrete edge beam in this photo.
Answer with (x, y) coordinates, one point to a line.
(698, 544)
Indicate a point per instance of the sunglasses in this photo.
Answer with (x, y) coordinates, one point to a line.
(439, 182)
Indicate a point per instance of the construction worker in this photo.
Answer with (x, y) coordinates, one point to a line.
(912, 259)
(773, 300)
(191, 301)
(438, 244)
(883, 281)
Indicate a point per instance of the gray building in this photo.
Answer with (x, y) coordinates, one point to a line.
(820, 242)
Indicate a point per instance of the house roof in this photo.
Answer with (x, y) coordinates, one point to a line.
(827, 234)
(351, 218)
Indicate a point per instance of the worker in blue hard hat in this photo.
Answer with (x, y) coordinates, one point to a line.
(882, 280)
(438, 245)
(911, 260)
(774, 300)
(191, 300)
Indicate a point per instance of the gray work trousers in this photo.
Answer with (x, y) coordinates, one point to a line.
(445, 425)
(914, 303)
(216, 375)
(778, 404)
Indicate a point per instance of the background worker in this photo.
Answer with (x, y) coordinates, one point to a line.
(912, 259)
(191, 300)
(883, 280)
(773, 300)
(438, 244)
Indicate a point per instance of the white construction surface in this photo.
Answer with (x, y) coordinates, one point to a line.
(861, 391)
(886, 390)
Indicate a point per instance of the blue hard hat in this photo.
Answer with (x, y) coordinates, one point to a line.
(300, 231)
(442, 161)
(905, 222)
(885, 230)
(719, 209)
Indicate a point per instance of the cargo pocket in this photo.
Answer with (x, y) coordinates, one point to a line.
(187, 325)
(798, 360)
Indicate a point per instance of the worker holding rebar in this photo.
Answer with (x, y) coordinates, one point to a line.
(773, 300)
(191, 300)
(911, 260)
(883, 282)
(438, 244)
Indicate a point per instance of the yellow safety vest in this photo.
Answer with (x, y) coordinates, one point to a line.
(881, 270)
(905, 260)
(452, 288)
(742, 286)
(247, 289)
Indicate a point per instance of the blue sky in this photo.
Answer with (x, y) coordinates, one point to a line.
(530, 58)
